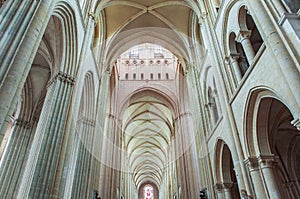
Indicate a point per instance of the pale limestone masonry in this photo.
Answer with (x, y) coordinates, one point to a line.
(150, 98)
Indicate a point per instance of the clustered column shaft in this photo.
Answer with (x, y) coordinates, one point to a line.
(52, 133)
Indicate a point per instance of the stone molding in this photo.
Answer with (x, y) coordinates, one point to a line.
(87, 121)
(218, 187)
(243, 34)
(22, 123)
(267, 161)
(63, 77)
(227, 185)
(186, 114)
(252, 163)
(234, 56)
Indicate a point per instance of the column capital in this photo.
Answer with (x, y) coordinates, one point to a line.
(93, 16)
(23, 123)
(113, 117)
(227, 60)
(86, 120)
(252, 163)
(181, 115)
(62, 76)
(227, 185)
(243, 34)
(215, 92)
(202, 18)
(234, 56)
(296, 123)
(218, 187)
(267, 161)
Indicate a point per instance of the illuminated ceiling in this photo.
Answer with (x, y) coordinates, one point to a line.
(147, 126)
(164, 22)
(124, 15)
(148, 120)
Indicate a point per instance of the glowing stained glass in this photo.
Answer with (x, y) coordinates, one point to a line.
(148, 192)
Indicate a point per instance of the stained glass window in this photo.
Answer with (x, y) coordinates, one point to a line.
(148, 192)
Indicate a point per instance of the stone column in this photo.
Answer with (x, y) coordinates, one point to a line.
(68, 156)
(219, 190)
(82, 173)
(185, 142)
(257, 181)
(227, 190)
(22, 29)
(235, 65)
(14, 160)
(244, 38)
(231, 79)
(40, 172)
(110, 158)
(16, 16)
(267, 166)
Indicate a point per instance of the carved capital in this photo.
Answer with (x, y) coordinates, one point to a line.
(93, 16)
(218, 187)
(252, 163)
(243, 34)
(215, 93)
(234, 56)
(267, 161)
(87, 121)
(202, 18)
(227, 60)
(209, 105)
(227, 185)
(114, 118)
(63, 77)
(24, 124)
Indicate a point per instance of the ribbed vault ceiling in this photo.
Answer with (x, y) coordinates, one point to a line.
(147, 123)
(126, 15)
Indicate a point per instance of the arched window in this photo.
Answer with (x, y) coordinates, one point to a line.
(246, 44)
(249, 36)
(255, 37)
(148, 192)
